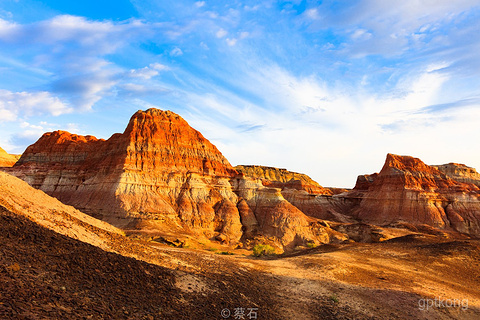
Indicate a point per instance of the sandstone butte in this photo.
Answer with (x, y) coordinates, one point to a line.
(160, 174)
(408, 191)
(6, 159)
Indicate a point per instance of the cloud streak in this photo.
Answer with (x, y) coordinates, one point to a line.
(26, 104)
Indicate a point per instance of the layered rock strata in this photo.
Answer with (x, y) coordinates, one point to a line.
(161, 174)
(283, 179)
(408, 190)
(301, 191)
(460, 172)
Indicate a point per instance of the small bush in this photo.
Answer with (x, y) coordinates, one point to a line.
(263, 250)
(227, 253)
(333, 298)
(311, 245)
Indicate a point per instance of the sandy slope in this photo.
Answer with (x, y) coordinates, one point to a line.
(20, 198)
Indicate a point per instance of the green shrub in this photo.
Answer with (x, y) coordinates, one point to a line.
(333, 298)
(311, 245)
(263, 250)
(227, 253)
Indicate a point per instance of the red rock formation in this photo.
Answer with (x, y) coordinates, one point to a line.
(265, 212)
(460, 172)
(159, 170)
(408, 190)
(6, 159)
(283, 179)
(162, 175)
(300, 190)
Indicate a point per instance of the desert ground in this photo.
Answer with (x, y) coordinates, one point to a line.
(46, 275)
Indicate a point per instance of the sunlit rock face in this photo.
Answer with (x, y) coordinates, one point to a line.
(160, 170)
(408, 190)
(460, 173)
(161, 174)
(301, 191)
(6, 159)
(272, 216)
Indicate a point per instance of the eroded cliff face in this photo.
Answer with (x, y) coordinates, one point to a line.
(160, 173)
(283, 179)
(265, 212)
(163, 175)
(301, 191)
(408, 190)
(460, 172)
(6, 159)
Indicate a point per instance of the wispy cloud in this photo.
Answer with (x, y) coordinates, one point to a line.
(32, 132)
(26, 104)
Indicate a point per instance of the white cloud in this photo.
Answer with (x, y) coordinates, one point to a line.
(8, 30)
(84, 90)
(71, 50)
(200, 4)
(361, 34)
(221, 33)
(327, 130)
(32, 132)
(27, 104)
(231, 42)
(176, 52)
(145, 73)
(148, 72)
(158, 66)
(312, 13)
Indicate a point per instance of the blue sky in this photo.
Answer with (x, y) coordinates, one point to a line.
(321, 87)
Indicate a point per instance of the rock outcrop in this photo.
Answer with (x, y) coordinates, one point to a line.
(159, 172)
(265, 212)
(162, 175)
(408, 190)
(6, 159)
(301, 191)
(460, 173)
(283, 179)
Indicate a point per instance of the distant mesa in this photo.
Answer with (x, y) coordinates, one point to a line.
(162, 175)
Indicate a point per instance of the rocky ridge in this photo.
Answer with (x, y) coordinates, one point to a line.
(161, 174)
(460, 172)
(407, 190)
(300, 190)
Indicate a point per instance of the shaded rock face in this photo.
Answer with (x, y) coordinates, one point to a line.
(163, 175)
(6, 159)
(408, 190)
